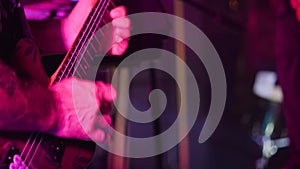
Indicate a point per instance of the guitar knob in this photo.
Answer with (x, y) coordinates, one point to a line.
(13, 166)
(17, 159)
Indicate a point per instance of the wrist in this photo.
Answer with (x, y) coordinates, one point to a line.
(54, 118)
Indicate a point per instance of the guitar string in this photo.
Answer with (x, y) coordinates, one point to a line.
(28, 143)
(25, 147)
(92, 30)
(76, 49)
(70, 59)
(41, 139)
(88, 43)
(34, 153)
(43, 135)
(91, 57)
(32, 145)
(113, 5)
(73, 50)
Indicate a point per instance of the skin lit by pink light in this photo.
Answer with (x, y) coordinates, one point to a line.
(72, 25)
(296, 5)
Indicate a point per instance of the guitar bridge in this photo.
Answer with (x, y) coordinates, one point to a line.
(9, 156)
(18, 163)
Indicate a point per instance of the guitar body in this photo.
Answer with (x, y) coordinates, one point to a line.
(52, 153)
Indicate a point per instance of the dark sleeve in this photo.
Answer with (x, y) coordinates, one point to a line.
(13, 26)
(24, 105)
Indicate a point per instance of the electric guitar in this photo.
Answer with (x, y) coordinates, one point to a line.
(22, 150)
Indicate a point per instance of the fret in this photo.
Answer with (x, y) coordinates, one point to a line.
(89, 55)
(78, 75)
(65, 70)
(57, 79)
(82, 68)
(69, 72)
(85, 62)
(94, 49)
(64, 67)
(79, 55)
(97, 37)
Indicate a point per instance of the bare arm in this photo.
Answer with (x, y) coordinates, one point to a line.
(63, 32)
(24, 105)
(28, 106)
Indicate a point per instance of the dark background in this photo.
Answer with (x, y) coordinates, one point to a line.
(242, 32)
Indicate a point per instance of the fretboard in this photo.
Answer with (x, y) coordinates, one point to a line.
(78, 52)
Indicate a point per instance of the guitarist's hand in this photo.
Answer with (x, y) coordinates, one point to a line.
(121, 30)
(78, 109)
(71, 26)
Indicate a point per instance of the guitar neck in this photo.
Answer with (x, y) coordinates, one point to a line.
(95, 19)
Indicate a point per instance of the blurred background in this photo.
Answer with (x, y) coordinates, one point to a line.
(251, 133)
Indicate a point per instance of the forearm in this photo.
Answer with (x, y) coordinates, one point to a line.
(57, 36)
(71, 25)
(64, 32)
(25, 106)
